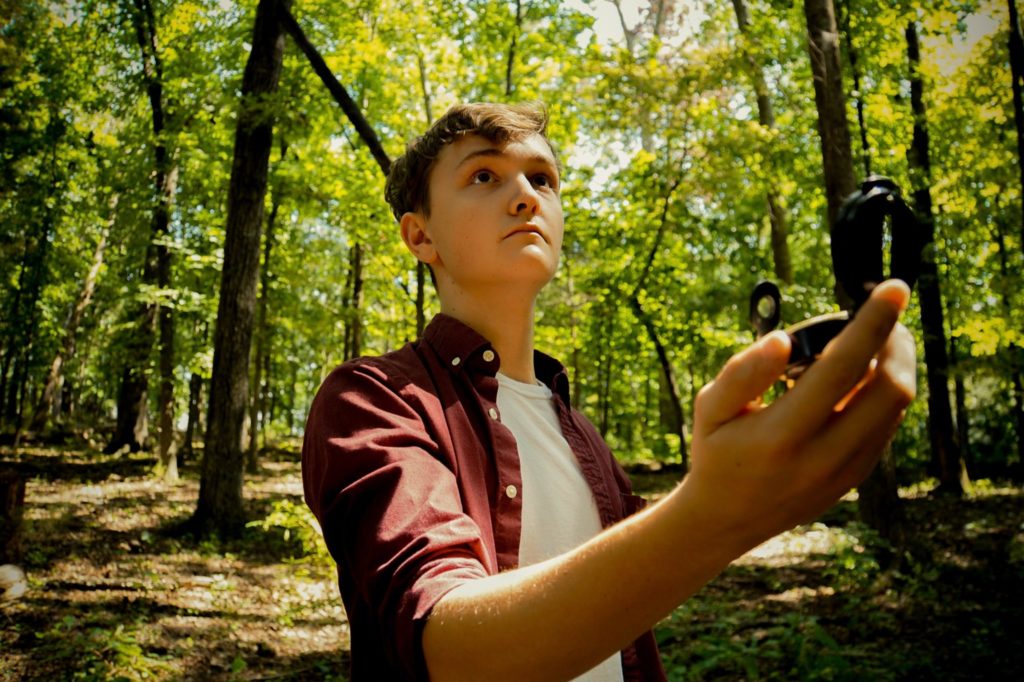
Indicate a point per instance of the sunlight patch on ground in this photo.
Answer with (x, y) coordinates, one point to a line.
(792, 547)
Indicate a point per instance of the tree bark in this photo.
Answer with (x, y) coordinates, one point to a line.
(777, 214)
(338, 92)
(195, 392)
(421, 267)
(946, 458)
(510, 62)
(963, 423)
(878, 499)
(256, 412)
(12, 505)
(1017, 84)
(132, 420)
(353, 341)
(865, 149)
(1014, 353)
(220, 488)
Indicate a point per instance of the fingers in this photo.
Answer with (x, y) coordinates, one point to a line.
(869, 420)
(814, 398)
(745, 377)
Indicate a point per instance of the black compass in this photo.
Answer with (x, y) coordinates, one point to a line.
(858, 250)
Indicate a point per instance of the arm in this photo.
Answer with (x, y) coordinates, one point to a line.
(757, 470)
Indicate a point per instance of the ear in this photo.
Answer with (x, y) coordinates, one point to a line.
(416, 238)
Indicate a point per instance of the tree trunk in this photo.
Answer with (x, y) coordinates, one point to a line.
(220, 489)
(1015, 356)
(421, 267)
(830, 98)
(865, 149)
(777, 214)
(878, 499)
(12, 505)
(262, 332)
(50, 397)
(32, 276)
(195, 392)
(946, 458)
(510, 62)
(1017, 83)
(337, 91)
(353, 330)
(676, 421)
(132, 420)
(668, 376)
(963, 424)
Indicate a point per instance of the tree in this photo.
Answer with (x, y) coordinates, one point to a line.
(945, 448)
(132, 420)
(878, 501)
(220, 490)
(766, 117)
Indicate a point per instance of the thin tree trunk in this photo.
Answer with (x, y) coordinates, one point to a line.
(510, 62)
(1016, 358)
(777, 214)
(676, 423)
(55, 377)
(668, 375)
(165, 323)
(353, 330)
(963, 424)
(1017, 84)
(878, 499)
(32, 276)
(132, 420)
(195, 391)
(421, 267)
(946, 458)
(865, 149)
(255, 426)
(337, 91)
(220, 488)
(353, 343)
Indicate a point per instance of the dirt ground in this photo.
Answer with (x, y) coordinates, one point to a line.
(115, 593)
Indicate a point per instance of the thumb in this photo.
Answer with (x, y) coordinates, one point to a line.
(744, 379)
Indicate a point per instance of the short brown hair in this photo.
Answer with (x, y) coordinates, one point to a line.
(408, 180)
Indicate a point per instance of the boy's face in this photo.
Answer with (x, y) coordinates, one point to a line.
(495, 216)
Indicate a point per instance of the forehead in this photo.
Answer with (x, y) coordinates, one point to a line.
(533, 149)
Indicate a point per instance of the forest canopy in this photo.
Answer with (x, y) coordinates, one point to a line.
(693, 169)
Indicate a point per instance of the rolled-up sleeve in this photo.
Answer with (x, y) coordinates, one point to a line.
(385, 493)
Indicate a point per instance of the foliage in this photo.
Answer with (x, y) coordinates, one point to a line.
(294, 525)
(666, 171)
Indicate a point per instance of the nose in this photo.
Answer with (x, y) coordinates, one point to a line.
(524, 197)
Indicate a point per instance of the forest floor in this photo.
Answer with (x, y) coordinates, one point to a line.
(115, 593)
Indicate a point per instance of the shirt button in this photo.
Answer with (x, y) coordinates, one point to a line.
(511, 491)
(488, 355)
(456, 361)
(493, 412)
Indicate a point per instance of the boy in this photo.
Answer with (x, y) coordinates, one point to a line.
(481, 527)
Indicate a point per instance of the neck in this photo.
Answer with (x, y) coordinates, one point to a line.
(505, 321)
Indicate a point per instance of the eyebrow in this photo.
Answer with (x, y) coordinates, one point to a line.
(496, 152)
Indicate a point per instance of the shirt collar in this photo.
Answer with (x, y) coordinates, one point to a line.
(461, 348)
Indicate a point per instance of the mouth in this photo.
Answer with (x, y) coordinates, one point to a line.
(526, 228)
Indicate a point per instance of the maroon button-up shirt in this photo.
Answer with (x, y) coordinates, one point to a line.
(407, 467)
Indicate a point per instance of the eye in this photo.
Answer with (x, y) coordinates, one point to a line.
(544, 180)
(483, 177)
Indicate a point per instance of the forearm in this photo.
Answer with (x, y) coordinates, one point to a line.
(557, 619)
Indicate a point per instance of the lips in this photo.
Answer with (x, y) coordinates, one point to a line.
(526, 228)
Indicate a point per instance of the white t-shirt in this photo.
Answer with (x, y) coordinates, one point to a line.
(559, 511)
